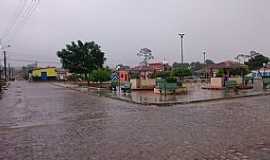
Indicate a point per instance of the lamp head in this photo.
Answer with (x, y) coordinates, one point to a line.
(181, 34)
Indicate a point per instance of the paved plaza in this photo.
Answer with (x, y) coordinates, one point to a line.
(43, 121)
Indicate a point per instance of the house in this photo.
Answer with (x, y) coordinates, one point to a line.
(44, 74)
(159, 67)
(263, 72)
(141, 76)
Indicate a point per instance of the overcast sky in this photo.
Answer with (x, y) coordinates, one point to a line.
(223, 28)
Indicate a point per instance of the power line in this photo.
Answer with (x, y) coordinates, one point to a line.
(16, 14)
(31, 60)
(27, 53)
(32, 9)
(25, 16)
(16, 19)
(29, 6)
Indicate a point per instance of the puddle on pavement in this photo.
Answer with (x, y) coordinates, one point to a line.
(197, 94)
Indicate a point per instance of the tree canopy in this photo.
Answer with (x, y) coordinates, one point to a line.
(82, 57)
(177, 65)
(181, 72)
(257, 62)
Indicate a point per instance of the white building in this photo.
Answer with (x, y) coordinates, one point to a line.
(263, 72)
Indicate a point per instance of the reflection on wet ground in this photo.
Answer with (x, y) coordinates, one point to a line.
(42, 121)
(195, 93)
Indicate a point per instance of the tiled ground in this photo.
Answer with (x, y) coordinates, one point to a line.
(42, 121)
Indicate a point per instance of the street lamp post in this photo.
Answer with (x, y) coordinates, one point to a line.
(263, 76)
(205, 65)
(182, 47)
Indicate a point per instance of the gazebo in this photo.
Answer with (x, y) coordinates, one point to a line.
(228, 67)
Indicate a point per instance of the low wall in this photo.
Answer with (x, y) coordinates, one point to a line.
(142, 84)
(216, 83)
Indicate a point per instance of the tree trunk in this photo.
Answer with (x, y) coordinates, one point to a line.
(86, 77)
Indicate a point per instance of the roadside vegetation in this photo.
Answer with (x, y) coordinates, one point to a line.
(85, 59)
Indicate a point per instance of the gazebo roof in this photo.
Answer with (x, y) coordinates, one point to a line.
(228, 65)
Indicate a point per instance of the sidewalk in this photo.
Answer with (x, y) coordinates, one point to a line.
(195, 95)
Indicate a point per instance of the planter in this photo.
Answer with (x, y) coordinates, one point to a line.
(216, 83)
(139, 84)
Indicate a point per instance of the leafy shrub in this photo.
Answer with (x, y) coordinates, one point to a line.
(220, 73)
(181, 72)
(171, 80)
(100, 75)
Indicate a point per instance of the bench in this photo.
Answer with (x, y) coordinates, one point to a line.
(167, 87)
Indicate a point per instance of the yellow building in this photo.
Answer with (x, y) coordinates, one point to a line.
(44, 74)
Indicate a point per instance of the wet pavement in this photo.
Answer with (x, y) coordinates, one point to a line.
(43, 121)
(195, 94)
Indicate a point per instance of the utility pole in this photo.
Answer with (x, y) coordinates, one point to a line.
(5, 58)
(182, 47)
(5, 65)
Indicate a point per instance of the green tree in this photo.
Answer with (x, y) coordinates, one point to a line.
(255, 63)
(177, 65)
(101, 75)
(181, 72)
(82, 57)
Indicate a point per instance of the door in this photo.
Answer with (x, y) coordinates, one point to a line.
(44, 76)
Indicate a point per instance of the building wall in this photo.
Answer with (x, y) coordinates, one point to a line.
(36, 73)
(263, 72)
(123, 75)
(51, 72)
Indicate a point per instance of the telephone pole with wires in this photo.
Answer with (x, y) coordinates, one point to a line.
(24, 11)
(5, 59)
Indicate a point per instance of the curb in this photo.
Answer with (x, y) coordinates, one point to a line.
(172, 103)
(189, 102)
